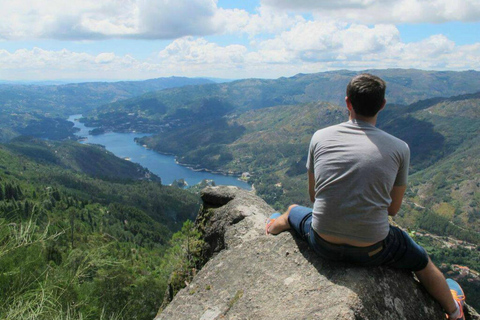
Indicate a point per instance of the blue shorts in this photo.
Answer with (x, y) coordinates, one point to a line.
(397, 250)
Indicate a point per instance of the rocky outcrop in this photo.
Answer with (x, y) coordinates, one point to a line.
(254, 276)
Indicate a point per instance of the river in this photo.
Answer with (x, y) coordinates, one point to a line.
(164, 166)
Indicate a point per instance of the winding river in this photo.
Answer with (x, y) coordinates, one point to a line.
(164, 166)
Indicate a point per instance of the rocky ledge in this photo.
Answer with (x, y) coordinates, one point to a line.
(250, 275)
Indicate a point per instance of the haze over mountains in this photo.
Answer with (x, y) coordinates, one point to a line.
(262, 127)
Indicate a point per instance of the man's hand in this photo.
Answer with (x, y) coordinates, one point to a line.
(397, 196)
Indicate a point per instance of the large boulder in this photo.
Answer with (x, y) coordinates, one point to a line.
(251, 275)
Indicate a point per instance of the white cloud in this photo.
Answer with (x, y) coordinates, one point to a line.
(385, 11)
(308, 47)
(436, 52)
(39, 64)
(62, 19)
(264, 21)
(315, 47)
(93, 19)
(330, 40)
(186, 56)
(143, 19)
(433, 46)
(105, 57)
(321, 4)
(192, 52)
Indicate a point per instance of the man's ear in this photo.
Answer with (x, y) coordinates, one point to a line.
(349, 103)
(383, 105)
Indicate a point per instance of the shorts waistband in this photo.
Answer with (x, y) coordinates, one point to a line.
(346, 248)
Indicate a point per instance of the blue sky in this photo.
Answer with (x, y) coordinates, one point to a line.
(142, 39)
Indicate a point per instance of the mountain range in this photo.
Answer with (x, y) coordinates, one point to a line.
(191, 104)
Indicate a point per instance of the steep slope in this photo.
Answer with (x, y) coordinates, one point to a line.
(434, 128)
(451, 186)
(77, 245)
(444, 140)
(70, 167)
(445, 197)
(92, 160)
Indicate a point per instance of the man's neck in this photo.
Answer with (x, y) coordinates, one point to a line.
(371, 120)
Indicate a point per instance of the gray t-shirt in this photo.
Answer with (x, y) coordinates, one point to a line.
(356, 166)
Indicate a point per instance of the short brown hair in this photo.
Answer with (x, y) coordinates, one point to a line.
(366, 92)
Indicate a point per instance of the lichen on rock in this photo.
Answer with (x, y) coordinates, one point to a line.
(250, 275)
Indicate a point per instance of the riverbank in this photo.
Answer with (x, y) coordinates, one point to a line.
(166, 166)
(194, 167)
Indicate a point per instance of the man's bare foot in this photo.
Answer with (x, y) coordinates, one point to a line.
(281, 223)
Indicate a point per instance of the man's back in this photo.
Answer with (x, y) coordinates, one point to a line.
(356, 166)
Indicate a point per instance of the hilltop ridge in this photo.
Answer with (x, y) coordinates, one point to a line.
(159, 110)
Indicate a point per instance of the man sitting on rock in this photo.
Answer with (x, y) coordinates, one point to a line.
(357, 176)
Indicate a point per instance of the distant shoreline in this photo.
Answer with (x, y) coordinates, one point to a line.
(193, 167)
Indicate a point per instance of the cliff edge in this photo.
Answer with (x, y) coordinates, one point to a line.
(250, 275)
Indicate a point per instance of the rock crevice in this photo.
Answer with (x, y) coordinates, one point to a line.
(250, 275)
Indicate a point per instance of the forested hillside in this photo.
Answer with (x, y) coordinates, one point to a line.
(79, 243)
(434, 128)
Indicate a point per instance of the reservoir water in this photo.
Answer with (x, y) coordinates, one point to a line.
(164, 166)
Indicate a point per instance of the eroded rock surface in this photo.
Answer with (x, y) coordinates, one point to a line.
(254, 276)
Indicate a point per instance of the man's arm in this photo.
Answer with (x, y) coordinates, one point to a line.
(311, 186)
(397, 196)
